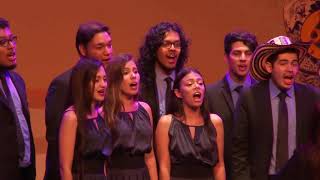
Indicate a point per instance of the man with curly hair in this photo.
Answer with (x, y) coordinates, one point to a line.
(162, 55)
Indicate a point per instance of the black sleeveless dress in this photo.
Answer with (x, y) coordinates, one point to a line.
(192, 159)
(131, 140)
(90, 164)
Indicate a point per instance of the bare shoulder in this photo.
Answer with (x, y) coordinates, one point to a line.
(70, 108)
(165, 121)
(145, 105)
(69, 115)
(148, 109)
(216, 120)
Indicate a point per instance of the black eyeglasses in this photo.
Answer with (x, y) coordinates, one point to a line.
(4, 42)
(169, 44)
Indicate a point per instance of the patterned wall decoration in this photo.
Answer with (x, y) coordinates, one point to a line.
(302, 23)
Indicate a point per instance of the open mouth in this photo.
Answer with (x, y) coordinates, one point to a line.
(288, 76)
(133, 85)
(197, 95)
(242, 67)
(288, 79)
(171, 55)
(11, 54)
(101, 92)
(106, 60)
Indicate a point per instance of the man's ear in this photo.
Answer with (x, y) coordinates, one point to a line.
(268, 67)
(177, 93)
(226, 58)
(83, 50)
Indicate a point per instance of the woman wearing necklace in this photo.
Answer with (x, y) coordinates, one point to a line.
(190, 139)
(131, 123)
(84, 137)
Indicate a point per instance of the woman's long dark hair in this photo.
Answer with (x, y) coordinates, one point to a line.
(113, 103)
(175, 104)
(82, 85)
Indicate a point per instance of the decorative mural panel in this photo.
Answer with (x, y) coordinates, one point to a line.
(302, 23)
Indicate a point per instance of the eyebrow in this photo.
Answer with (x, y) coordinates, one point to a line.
(241, 50)
(103, 43)
(286, 60)
(100, 44)
(98, 76)
(174, 41)
(198, 79)
(125, 69)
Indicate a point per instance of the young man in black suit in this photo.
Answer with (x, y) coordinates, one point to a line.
(93, 40)
(17, 154)
(223, 95)
(162, 55)
(276, 115)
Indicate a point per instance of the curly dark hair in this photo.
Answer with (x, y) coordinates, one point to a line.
(152, 42)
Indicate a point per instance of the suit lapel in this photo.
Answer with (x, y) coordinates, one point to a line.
(265, 111)
(3, 99)
(253, 81)
(20, 90)
(268, 115)
(225, 90)
(156, 98)
(300, 110)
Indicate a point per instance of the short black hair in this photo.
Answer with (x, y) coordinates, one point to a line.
(247, 38)
(86, 31)
(274, 56)
(4, 23)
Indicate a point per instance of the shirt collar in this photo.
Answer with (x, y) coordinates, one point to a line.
(274, 90)
(161, 75)
(233, 85)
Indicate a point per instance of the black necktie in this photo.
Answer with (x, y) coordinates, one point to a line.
(5, 86)
(238, 89)
(168, 92)
(11, 104)
(282, 139)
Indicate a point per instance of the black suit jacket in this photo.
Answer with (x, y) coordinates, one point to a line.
(9, 160)
(221, 103)
(253, 130)
(57, 100)
(149, 94)
(302, 165)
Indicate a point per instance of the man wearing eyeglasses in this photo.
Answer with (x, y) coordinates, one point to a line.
(223, 95)
(162, 55)
(17, 154)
